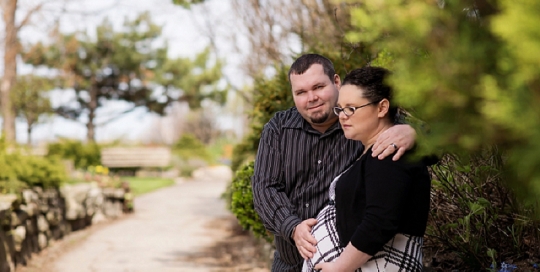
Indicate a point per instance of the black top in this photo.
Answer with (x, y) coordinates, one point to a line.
(376, 199)
(294, 167)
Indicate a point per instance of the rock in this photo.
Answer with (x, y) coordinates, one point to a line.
(42, 223)
(98, 218)
(19, 233)
(42, 241)
(6, 201)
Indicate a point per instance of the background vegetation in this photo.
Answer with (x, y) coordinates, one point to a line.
(461, 67)
(468, 69)
(142, 185)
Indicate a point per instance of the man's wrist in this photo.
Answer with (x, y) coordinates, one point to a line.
(293, 231)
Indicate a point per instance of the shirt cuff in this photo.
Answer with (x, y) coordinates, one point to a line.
(288, 226)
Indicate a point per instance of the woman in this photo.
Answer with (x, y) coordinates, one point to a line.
(377, 213)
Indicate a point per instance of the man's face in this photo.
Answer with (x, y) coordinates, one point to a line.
(315, 95)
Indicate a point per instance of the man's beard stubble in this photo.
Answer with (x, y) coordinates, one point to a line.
(320, 119)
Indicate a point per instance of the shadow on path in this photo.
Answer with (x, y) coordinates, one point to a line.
(239, 251)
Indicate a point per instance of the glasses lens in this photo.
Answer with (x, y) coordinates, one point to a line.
(348, 111)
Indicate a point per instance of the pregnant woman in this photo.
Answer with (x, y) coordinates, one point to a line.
(378, 209)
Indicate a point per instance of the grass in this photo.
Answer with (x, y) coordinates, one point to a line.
(145, 185)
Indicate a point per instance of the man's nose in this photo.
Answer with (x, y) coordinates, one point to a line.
(312, 96)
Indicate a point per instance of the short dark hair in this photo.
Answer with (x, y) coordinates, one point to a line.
(303, 63)
(372, 80)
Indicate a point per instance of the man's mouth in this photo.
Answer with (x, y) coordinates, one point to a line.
(315, 107)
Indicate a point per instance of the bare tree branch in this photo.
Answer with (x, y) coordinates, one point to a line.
(29, 15)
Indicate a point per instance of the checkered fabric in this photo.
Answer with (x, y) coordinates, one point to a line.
(403, 253)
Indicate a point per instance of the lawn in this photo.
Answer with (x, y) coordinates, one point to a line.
(141, 186)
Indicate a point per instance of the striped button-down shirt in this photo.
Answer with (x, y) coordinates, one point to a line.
(294, 167)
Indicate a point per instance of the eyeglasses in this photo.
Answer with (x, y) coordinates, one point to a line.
(348, 111)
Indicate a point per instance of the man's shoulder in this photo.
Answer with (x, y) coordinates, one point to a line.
(286, 118)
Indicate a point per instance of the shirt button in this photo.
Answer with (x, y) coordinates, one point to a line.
(319, 161)
(307, 205)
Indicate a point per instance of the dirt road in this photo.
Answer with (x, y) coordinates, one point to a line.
(185, 227)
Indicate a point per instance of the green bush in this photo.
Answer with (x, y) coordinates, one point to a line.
(83, 155)
(242, 202)
(37, 171)
(23, 171)
(188, 147)
(475, 219)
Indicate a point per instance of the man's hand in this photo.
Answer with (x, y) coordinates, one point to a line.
(305, 242)
(396, 139)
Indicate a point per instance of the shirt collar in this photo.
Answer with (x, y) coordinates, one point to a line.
(297, 121)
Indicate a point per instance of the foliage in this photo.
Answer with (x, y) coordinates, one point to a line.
(83, 155)
(471, 59)
(38, 171)
(19, 171)
(191, 80)
(127, 65)
(475, 219)
(141, 186)
(271, 95)
(187, 3)
(242, 202)
(192, 154)
(188, 146)
(29, 99)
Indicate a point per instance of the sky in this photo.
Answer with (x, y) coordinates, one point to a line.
(181, 28)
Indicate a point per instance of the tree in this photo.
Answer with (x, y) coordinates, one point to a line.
(192, 81)
(465, 59)
(469, 69)
(128, 65)
(30, 100)
(11, 50)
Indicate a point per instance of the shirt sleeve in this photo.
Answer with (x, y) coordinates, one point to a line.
(386, 185)
(269, 197)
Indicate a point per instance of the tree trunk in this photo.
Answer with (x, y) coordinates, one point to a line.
(92, 106)
(29, 132)
(11, 49)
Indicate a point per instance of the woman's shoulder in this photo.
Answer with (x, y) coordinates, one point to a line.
(407, 161)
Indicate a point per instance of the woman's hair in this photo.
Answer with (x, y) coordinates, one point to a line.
(372, 80)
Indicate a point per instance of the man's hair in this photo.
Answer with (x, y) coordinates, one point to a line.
(372, 80)
(303, 63)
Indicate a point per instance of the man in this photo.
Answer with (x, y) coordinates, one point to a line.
(300, 152)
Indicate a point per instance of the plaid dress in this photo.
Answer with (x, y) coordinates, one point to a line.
(402, 253)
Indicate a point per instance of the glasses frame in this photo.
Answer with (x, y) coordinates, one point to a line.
(338, 110)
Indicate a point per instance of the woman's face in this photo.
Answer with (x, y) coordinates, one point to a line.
(363, 123)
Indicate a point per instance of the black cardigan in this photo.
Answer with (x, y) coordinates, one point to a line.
(376, 199)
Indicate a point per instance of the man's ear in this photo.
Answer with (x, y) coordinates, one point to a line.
(384, 107)
(337, 81)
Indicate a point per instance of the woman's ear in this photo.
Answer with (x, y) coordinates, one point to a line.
(383, 107)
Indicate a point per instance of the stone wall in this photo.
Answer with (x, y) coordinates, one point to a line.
(31, 220)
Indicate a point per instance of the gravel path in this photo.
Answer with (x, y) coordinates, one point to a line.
(185, 227)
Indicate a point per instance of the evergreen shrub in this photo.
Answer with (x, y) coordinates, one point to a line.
(476, 221)
(82, 155)
(242, 202)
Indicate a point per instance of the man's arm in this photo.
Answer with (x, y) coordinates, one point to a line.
(269, 198)
(396, 139)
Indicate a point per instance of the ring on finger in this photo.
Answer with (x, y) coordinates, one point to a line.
(394, 145)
